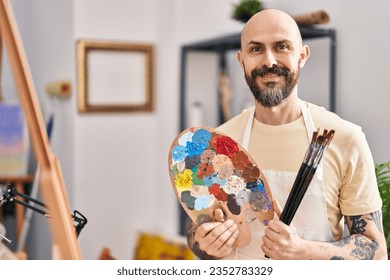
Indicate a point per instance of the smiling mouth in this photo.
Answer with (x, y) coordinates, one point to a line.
(271, 75)
(271, 81)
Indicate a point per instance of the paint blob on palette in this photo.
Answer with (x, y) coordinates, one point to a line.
(209, 170)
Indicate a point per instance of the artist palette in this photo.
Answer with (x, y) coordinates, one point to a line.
(209, 170)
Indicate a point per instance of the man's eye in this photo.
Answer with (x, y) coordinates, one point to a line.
(255, 49)
(282, 47)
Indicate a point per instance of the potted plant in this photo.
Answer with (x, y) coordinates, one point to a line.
(382, 171)
(245, 9)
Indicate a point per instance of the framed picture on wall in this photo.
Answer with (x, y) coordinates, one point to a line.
(114, 76)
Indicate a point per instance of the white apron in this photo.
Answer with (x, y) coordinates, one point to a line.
(311, 219)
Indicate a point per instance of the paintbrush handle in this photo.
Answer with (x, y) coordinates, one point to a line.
(294, 190)
(301, 194)
(315, 158)
(306, 182)
(302, 173)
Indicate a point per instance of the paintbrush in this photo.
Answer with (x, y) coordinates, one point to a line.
(305, 174)
(302, 173)
(311, 167)
(315, 155)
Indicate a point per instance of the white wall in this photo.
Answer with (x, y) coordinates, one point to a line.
(115, 165)
(120, 159)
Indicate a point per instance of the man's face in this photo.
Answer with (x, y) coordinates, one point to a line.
(271, 56)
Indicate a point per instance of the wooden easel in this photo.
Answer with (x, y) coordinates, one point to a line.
(52, 185)
(18, 182)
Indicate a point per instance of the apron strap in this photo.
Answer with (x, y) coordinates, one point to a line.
(307, 119)
(248, 129)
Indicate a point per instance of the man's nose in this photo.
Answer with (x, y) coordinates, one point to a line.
(269, 59)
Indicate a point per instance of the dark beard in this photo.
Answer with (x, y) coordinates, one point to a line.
(270, 96)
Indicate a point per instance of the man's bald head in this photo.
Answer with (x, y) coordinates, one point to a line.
(271, 21)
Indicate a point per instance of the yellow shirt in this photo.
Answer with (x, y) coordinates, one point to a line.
(349, 171)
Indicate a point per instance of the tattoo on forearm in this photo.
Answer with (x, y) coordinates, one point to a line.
(191, 234)
(365, 248)
(358, 225)
(195, 245)
(376, 217)
(201, 254)
(342, 242)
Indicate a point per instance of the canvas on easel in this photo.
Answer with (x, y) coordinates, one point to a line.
(14, 141)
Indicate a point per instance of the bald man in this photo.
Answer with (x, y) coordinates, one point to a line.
(276, 131)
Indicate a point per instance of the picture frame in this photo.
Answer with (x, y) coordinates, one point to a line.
(114, 76)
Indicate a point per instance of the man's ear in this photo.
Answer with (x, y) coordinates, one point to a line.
(239, 58)
(304, 55)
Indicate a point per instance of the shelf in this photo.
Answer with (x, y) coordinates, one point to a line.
(233, 41)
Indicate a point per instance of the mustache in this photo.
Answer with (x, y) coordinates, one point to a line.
(264, 70)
